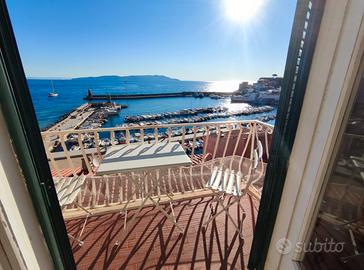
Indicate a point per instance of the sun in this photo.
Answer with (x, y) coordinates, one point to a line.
(242, 11)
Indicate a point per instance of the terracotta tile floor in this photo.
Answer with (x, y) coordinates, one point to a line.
(153, 242)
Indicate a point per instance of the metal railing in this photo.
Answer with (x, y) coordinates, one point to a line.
(206, 142)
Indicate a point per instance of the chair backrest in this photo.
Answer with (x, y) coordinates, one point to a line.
(211, 180)
(260, 149)
(233, 186)
(68, 188)
(257, 154)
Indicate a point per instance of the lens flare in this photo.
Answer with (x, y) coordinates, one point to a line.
(242, 11)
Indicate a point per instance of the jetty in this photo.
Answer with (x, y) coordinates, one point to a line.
(86, 115)
(196, 94)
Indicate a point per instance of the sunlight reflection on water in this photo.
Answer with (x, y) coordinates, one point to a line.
(223, 86)
(234, 107)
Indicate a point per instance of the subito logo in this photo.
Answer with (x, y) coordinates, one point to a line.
(283, 246)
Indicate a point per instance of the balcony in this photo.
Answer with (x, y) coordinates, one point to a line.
(126, 230)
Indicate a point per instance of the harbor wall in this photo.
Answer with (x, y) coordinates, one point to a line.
(161, 95)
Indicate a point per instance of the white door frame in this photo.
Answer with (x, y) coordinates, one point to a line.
(21, 237)
(335, 64)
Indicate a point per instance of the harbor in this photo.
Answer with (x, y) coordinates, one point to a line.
(196, 115)
(147, 110)
(123, 117)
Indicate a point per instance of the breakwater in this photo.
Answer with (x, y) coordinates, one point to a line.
(196, 94)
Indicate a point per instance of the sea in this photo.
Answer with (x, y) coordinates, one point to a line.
(71, 92)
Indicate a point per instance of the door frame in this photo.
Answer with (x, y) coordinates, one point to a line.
(301, 50)
(334, 70)
(17, 108)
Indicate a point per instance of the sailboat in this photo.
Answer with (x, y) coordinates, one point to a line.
(53, 93)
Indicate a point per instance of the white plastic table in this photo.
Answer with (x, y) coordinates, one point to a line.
(134, 157)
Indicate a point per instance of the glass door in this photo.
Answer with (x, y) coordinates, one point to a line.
(337, 240)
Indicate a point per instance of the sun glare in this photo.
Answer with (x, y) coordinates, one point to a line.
(242, 11)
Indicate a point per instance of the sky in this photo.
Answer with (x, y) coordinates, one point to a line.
(206, 40)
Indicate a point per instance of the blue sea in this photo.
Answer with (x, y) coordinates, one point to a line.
(72, 91)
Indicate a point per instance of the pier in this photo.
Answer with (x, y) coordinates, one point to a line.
(97, 113)
(195, 94)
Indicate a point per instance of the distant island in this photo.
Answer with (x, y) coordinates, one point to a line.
(132, 78)
(115, 78)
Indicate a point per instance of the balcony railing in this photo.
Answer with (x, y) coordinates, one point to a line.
(207, 144)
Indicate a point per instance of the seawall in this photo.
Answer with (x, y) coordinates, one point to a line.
(161, 95)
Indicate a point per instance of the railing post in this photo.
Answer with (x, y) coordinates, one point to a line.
(82, 149)
(97, 144)
(218, 134)
(112, 137)
(227, 140)
(156, 135)
(194, 129)
(127, 136)
(107, 190)
(169, 134)
(120, 180)
(205, 142)
(50, 155)
(93, 192)
(183, 136)
(252, 145)
(65, 150)
(142, 135)
(238, 139)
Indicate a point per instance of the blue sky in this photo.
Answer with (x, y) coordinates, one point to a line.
(185, 39)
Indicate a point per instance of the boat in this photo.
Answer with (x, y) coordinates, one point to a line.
(111, 111)
(53, 93)
(198, 95)
(75, 148)
(213, 96)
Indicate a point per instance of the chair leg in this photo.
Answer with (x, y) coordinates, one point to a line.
(216, 198)
(226, 210)
(125, 230)
(83, 226)
(78, 239)
(171, 218)
(80, 242)
(125, 218)
(219, 198)
(124, 209)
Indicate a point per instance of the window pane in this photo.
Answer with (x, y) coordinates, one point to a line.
(337, 241)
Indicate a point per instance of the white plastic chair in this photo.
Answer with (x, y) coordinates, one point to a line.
(67, 190)
(233, 183)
